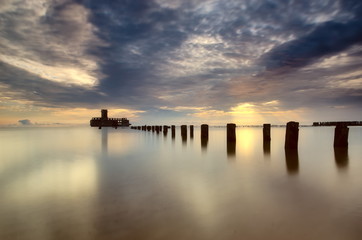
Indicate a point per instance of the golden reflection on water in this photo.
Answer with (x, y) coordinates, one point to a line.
(43, 187)
(65, 180)
(245, 140)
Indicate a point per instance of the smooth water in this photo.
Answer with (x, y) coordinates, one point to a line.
(86, 183)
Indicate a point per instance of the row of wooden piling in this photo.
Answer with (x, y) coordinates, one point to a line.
(164, 129)
(291, 133)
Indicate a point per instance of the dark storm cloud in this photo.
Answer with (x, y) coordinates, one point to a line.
(326, 40)
(140, 35)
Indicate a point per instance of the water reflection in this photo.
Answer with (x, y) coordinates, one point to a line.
(266, 148)
(104, 141)
(292, 161)
(63, 188)
(165, 132)
(184, 139)
(341, 157)
(204, 142)
(231, 149)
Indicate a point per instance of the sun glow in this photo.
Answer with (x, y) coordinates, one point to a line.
(245, 141)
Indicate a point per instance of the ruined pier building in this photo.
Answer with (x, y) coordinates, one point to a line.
(104, 121)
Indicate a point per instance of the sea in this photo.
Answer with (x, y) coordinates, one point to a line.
(90, 183)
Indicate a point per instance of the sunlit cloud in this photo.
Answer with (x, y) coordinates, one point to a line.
(252, 113)
(55, 49)
(62, 74)
(184, 108)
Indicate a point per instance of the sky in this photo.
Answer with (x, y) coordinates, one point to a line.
(180, 61)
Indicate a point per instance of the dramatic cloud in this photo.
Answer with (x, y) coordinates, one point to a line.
(182, 59)
(50, 39)
(326, 40)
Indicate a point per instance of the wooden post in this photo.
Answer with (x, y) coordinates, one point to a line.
(191, 131)
(204, 131)
(173, 131)
(291, 135)
(230, 132)
(157, 128)
(165, 130)
(183, 131)
(341, 136)
(266, 132)
(148, 128)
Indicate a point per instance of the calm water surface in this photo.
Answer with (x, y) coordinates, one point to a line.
(86, 183)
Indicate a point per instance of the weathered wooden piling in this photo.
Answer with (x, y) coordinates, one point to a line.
(204, 131)
(165, 130)
(139, 127)
(157, 129)
(160, 128)
(149, 128)
(266, 132)
(191, 131)
(183, 131)
(173, 131)
(153, 128)
(230, 132)
(341, 136)
(291, 135)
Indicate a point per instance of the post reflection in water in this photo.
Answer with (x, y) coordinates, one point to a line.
(184, 139)
(292, 161)
(231, 149)
(104, 141)
(266, 148)
(204, 142)
(341, 157)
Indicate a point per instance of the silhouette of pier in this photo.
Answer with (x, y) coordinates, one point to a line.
(346, 123)
(105, 121)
